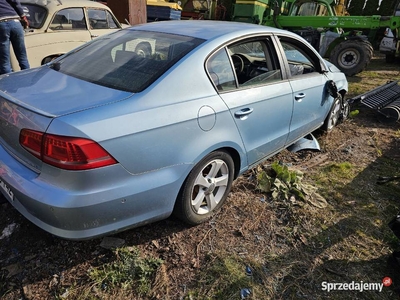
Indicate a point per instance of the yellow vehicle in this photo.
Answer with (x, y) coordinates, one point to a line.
(58, 26)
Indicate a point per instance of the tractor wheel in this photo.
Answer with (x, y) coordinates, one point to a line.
(352, 56)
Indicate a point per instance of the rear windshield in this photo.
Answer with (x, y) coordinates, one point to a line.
(128, 60)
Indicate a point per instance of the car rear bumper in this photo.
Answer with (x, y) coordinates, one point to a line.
(87, 209)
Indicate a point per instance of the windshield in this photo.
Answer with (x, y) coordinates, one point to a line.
(310, 9)
(128, 60)
(36, 15)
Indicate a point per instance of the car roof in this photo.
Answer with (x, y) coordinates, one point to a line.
(206, 29)
(59, 4)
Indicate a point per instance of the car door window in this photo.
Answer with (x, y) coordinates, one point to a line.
(36, 15)
(254, 63)
(69, 19)
(220, 71)
(299, 60)
(101, 19)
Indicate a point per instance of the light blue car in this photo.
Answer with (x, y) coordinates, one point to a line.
(156, 119)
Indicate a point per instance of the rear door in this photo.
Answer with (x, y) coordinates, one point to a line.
(259, 100)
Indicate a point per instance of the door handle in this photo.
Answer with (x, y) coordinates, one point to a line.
(299, 97)
(94, 36)
(243, 113)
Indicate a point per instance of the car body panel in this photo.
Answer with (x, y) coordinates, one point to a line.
(52, 83)
(388, 43)
(308, 114)
(156, 135)
(275, 123)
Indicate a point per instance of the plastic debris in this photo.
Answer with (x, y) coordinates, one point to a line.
(8, 231)
(244, 293)
(249, 271)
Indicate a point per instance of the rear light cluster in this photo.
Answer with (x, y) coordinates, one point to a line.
(70, 153)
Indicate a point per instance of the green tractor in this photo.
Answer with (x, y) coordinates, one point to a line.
(337, 38)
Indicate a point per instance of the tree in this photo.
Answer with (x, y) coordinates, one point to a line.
(371, 8)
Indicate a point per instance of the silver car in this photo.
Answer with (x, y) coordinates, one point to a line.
(156, 119)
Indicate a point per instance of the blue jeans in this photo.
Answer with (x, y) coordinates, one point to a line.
(12, 31)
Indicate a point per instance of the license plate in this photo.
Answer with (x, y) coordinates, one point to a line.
(6, 190)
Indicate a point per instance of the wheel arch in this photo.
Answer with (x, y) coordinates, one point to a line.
(236, 159)
(234, 153)
(181, 206)
(49, 58)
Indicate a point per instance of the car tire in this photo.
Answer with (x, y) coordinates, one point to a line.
(48, 59)
(334, 115)
(205, 189)
(143, 49)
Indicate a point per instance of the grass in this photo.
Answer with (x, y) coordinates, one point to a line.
(128, 275)
(128, 271)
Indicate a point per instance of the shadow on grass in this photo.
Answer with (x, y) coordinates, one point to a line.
(356, 248)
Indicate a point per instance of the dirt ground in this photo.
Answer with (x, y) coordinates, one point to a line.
(37, 265)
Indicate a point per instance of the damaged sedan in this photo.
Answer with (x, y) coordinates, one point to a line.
(157, 119)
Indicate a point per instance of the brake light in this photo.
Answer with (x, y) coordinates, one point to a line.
(70, 153)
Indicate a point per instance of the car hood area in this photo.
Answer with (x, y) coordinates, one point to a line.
(63, 94)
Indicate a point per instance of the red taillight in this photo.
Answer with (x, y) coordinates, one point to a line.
(65, 152)
(31, 141)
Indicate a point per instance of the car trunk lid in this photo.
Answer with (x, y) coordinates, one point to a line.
(32, 99)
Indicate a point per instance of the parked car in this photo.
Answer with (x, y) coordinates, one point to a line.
(58, 26)
(108, 137)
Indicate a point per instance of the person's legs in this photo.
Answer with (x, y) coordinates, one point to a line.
(5, 66)
(17, 38)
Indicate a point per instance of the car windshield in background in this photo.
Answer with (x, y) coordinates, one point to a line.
(35, 14)
(126, 60)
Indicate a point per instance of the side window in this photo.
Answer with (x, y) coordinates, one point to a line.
(111, 22)
(101, 19)
(220, 70)
(254, 63)
(68, 19)
(299, 61)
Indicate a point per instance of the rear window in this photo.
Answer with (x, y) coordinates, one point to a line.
(128, 60)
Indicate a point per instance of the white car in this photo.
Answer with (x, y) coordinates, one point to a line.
(389, 41)
(58, 26)
(388, 46)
